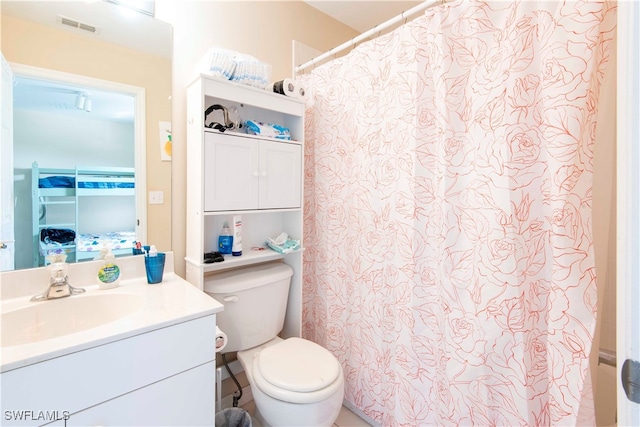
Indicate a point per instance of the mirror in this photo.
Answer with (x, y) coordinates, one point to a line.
(98, 54)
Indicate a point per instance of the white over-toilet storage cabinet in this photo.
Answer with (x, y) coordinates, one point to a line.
(232, 173)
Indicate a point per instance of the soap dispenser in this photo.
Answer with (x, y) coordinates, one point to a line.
(109, 273)
(103, 253)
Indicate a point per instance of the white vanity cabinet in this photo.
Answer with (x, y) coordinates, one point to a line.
(180, 400)
(152, 364)
(232, 173)
(250, 173)
(141, 380)
(162, 377)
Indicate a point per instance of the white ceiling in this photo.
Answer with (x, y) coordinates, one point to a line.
(362, 15)
(60, 98)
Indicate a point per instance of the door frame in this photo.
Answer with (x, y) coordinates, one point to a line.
(7, 216)
(628, 202)
(139, 126)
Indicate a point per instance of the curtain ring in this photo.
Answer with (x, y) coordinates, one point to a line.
(402, 17)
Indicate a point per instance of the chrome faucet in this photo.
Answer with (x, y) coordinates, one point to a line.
(59, 286)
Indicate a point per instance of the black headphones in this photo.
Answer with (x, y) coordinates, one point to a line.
(215, 125)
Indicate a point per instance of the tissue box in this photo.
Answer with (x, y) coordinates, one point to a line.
(268, 130)
(283, 244)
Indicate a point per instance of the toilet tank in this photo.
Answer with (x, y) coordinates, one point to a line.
(255, 302)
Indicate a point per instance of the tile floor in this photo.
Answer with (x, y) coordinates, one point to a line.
(349, 419)
(345, 419)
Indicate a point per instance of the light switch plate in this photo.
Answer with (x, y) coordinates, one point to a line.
(156, 197)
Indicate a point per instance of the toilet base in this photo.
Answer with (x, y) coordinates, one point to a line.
(274, 412)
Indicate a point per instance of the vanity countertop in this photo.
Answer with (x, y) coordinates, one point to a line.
(170, 302)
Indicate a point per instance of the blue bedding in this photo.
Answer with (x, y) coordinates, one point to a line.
(57, 182)
(70, 182)
(85, 184)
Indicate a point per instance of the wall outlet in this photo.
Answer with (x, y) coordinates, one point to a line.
(156, 197)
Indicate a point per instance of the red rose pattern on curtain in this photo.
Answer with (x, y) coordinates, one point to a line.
(448, 247)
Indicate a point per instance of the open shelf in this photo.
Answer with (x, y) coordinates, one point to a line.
(251, 136)
(248, 257)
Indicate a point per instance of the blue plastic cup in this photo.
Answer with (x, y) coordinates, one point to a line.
(155, 267)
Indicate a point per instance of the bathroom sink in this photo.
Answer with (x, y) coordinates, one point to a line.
(40, 321)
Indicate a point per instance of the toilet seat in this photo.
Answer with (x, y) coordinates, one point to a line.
(297, 371)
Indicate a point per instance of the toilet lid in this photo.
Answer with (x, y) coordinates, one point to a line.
(298, 365)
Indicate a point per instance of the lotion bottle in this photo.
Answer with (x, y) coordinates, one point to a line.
(109, 273)
(236, 249)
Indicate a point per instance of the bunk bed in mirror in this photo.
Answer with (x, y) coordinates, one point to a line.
(64, 221)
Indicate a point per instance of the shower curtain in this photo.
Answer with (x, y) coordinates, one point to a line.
(448, 173)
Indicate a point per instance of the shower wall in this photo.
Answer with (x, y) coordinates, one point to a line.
(604, 235)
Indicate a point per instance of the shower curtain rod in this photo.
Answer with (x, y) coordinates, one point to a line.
(419, 8)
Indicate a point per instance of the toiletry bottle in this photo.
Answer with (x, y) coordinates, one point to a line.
(153, 251)
(109, 273)
(225, 240)
(236, 249)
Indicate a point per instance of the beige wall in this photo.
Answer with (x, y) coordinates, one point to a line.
(263, 29)
(42, 46)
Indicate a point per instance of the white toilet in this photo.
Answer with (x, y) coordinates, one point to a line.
(294, 381)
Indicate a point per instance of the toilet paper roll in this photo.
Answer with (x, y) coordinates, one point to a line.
(290, 87)
(221, 340)
(301, 91)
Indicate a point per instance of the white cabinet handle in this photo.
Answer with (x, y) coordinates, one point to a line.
(231, 298)
(256, 174)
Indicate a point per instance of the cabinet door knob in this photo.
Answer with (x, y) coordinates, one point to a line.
(256, 174)
(264, 174)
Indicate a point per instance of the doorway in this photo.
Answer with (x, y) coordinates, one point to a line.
(74, 109)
